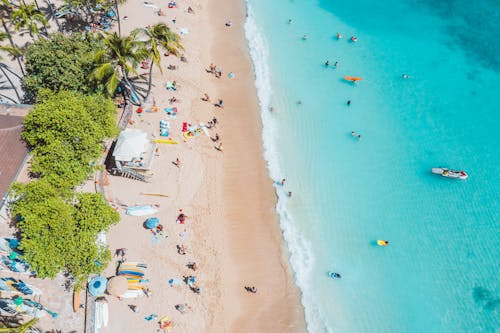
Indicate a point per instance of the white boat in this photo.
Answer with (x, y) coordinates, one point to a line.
(445, 172)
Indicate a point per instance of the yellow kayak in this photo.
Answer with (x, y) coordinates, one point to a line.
(169, 141)
(382, 242)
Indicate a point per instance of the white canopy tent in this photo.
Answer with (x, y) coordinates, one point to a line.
(133, 145)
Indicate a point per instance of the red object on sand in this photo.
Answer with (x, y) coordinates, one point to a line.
(139, 110)
(184, 127)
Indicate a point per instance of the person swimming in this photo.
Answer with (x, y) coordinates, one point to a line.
(327, 63)
(304, 37)
(339, 36)
(405, 76)
(354, 39)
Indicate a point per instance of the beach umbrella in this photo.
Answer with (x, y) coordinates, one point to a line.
(117, 285)
(152, 223)
(97, 286)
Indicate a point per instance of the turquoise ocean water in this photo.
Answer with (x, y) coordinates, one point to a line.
(441, 271)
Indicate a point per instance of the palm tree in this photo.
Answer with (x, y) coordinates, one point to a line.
(19, 329)
(119, 58)
(27, 17)
(158, 36)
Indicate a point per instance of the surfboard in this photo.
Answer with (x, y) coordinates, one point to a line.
(167, 141)
(76, 300)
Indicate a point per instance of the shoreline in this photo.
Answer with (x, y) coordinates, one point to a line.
(256, 242)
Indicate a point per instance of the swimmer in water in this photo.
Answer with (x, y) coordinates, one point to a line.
(289, 21)
(336, 64)
(327, 63)
(304, 37)
(405, 76)
(339, 36)
(354, 39)
(349, 103)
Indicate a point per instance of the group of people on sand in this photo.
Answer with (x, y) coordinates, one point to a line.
(215, 71)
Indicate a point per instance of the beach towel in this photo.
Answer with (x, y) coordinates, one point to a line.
(170, 86)
(150, 5)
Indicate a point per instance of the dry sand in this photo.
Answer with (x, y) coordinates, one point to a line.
(232, 230)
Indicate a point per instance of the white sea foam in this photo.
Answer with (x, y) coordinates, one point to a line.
(299, 248)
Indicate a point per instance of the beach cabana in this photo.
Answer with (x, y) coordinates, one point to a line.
(133, 150)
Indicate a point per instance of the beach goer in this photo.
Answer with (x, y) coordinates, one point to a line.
(304, 37)
(327, 63)
(181, 249)
(177, 163)
(405, 76)
(214, 121)
(174, 20)
(212, 68)
(354, 39)
(252, 289)
(359, 136)
(133, 308)
(161, 12)
(219, 147)
(181, 218)
(220, 104)
(289, 194)
(192, 265)
(336, 64)
(182, 308)
(218, 73)
(353, 133)
(190, 10)
(339, 36)
(289, 21)
(283, 182)
(229, 23)
(206, 98)
(349, 103)
(299, 102)
(120, 252)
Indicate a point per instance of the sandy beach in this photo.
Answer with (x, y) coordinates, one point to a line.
(232, 231)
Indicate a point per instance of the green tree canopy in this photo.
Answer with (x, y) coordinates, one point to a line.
(58, 233)
(65, 131)
(62, 62)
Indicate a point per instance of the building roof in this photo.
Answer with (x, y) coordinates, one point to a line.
(13, 151)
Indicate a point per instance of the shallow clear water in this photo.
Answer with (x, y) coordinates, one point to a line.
(440, 272)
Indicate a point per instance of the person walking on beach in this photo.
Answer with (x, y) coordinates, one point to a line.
(133, 307)
(121, 252)
(177, 163)
(252, 289)
(219, 147)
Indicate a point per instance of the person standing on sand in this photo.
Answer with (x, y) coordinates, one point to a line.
(177, 163)
(219, 147)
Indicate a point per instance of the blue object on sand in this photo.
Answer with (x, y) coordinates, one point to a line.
(97, 286)
(152, 222)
